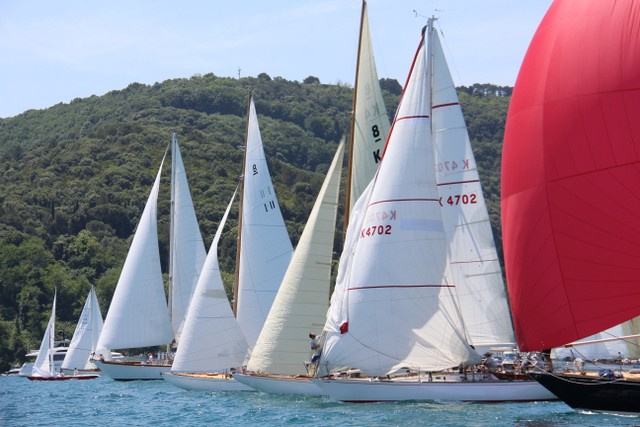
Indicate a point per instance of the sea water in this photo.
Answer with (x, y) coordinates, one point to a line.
(104, 402)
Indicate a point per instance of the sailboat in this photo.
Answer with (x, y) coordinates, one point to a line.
(139, 315)
(214, 340)
(85, 337)
(271, 368)
(396, 314)
(276, 362)
(570, 198)
(43, 368)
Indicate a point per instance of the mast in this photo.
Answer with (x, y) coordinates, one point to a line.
(52, 332)
(236, 287)
(347, 209)
(172, 223)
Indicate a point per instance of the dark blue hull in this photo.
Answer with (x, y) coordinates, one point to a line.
(594, 393)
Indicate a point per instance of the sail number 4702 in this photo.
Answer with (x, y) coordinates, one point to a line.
(375, 230)
(459, 199)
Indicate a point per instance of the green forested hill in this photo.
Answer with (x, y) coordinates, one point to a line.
(74, 178)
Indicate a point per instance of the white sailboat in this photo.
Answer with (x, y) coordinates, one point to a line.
(214, 341)
(139, 315)
(85, 337)
(397, 315)
(44, 366)
(276, 362)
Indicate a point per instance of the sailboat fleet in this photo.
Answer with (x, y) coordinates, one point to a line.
(420, 304)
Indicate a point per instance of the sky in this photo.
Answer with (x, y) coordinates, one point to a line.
(56, 51)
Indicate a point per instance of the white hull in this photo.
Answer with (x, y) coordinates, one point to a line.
(280, 384)
(363, 390)
(204, 382)
(129, 371)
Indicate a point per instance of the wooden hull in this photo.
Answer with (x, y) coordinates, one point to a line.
(204, 381)
(280, 384)
(365, 390)
(593, 393)
(131, 371)
(63, 378)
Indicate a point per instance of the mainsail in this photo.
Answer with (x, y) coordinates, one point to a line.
(43, 366)
(138, 315)
(85, 336)
(265, 247)
(473, 263)
(370, 124)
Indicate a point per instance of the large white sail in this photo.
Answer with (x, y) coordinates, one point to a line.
(85, 336)
(608, 348)
(397, 308)
(138, 315)
(265, 247)
(473, 260)
(370, 121)
(187, 251)
(303, 298)
(211, 340)
(43, 366)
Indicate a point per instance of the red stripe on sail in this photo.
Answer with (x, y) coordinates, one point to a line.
(458, 182)
(411, 117)
(445, 105)
(403, 200)
(359, 288)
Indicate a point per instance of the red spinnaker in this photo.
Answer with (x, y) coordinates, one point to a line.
(571, 175)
